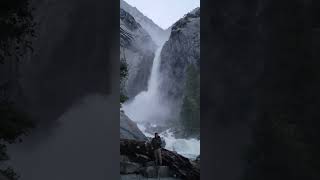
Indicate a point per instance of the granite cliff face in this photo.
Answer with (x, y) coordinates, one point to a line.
(182, 49)
(179, 53)
(137, 49)
(156, 32)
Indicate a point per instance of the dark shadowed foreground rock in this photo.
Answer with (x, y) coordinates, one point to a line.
(2, 177)
(174, 165)
(157, 171)
(140, 177)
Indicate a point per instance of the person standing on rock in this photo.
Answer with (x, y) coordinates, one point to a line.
(156, 146)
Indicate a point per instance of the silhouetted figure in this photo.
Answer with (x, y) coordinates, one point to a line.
(156, 146)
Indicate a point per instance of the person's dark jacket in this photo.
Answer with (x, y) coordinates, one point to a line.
(156, 143)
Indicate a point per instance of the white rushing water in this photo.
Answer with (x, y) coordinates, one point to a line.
(148, 106)
(189, 148)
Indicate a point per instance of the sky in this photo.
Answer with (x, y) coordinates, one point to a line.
(164, 12)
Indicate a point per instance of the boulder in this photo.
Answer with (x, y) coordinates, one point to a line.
(150, 163)
(143, 158)
(156, 171)
(196, 162)
(129, 129)
(129, 167)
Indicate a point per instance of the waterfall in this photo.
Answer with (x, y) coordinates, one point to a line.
(149, 107)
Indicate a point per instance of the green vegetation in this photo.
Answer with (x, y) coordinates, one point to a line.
(123, 77)
(190, 112)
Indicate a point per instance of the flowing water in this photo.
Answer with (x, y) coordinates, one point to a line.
(189, 148)
(148, 106)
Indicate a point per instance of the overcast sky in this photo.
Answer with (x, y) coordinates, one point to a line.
(164, 12)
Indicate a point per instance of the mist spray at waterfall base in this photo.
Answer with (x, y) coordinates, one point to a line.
(149, 107)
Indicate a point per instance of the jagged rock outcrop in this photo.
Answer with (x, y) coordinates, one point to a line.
(129, 129)
(156, 32)
(137, 49)
(139, 156)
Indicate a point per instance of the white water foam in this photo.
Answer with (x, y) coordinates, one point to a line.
(189, 148)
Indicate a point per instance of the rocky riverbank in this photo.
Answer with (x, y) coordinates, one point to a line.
(137, 162)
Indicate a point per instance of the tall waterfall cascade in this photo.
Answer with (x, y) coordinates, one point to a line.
(150, 107)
